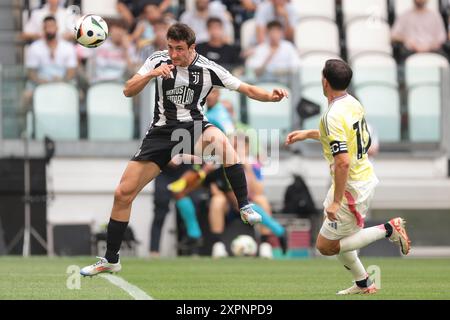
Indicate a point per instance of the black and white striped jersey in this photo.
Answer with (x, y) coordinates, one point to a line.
(181, 98)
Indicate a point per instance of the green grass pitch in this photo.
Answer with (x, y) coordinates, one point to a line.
(204, 278)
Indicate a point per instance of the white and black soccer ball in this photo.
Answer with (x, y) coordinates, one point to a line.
(244, 245)
(91, 31)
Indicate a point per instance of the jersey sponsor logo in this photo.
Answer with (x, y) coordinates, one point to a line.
(180, 95)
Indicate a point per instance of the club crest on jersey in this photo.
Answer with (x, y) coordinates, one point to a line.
(180, 95)
(196, 76)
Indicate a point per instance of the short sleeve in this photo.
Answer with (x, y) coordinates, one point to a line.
(335, 129)
(33, 25)
(293, 15)
(262, 13)
(72, 56)
(221, 77)
(32, 57)
(150, 63)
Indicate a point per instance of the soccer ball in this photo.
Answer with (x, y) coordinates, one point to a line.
(244, 245)
(91, 31)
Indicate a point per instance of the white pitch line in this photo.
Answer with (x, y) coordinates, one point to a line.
(132, 290)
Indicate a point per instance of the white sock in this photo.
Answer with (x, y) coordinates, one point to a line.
(352, 263)
(362, 238)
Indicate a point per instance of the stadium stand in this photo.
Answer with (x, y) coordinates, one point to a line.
(109, 113)
(424, 112)
(270, 115)
(382, 104)
(314, 93)
(366, 37)
(317, 35)
(104, 8)
(424, 68)
(374, 68)
(58, 117)
(248, 34)
(319, 8)
(311, 67)
(371, 9)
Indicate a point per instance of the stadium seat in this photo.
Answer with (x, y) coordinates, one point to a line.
(401, 6)
(382, 105)
(424, 113)
(103, 8)
(365, 36)
(424, 68)
(56, 111)
(314, 94)
(317, 35)
(374, 68)
(372, 9)
(311, 67)
(315, 8)
(248, 34)
(270, 115)
(235, 98)
(109, 113)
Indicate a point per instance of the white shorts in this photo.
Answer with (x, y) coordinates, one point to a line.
(351, 215)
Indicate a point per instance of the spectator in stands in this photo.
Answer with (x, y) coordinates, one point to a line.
(280, 10)
(48, 60)
(419, 30)
(216, 49)
(276, 59)
(32, 28)
(113, 60)
(197, 19)
(130, 10)
(159, 43)
(144, 33)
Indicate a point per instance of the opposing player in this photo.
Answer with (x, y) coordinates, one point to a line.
(345, 141)
(183, 81)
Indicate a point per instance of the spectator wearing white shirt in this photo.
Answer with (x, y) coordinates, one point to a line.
(275, 59)
(280, 10)
(419, 30)
(51, 59)
(197, 19)
(115, 59)
(64, 19)
(48, 60)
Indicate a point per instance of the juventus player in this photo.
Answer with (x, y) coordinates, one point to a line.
(345, 142)
(183, 81)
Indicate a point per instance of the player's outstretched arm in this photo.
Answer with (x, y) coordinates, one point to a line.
(260, 94)
(300, 135)
(138, 81)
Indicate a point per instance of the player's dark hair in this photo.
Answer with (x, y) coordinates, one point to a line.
(49, 18)
(181, 32)
(212, 20)
(274, 24)
(338, 74)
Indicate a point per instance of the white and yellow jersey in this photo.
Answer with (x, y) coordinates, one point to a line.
(344, 129)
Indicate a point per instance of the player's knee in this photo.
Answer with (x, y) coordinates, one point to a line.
(123, 195)
(326, 250)
(219, 199)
